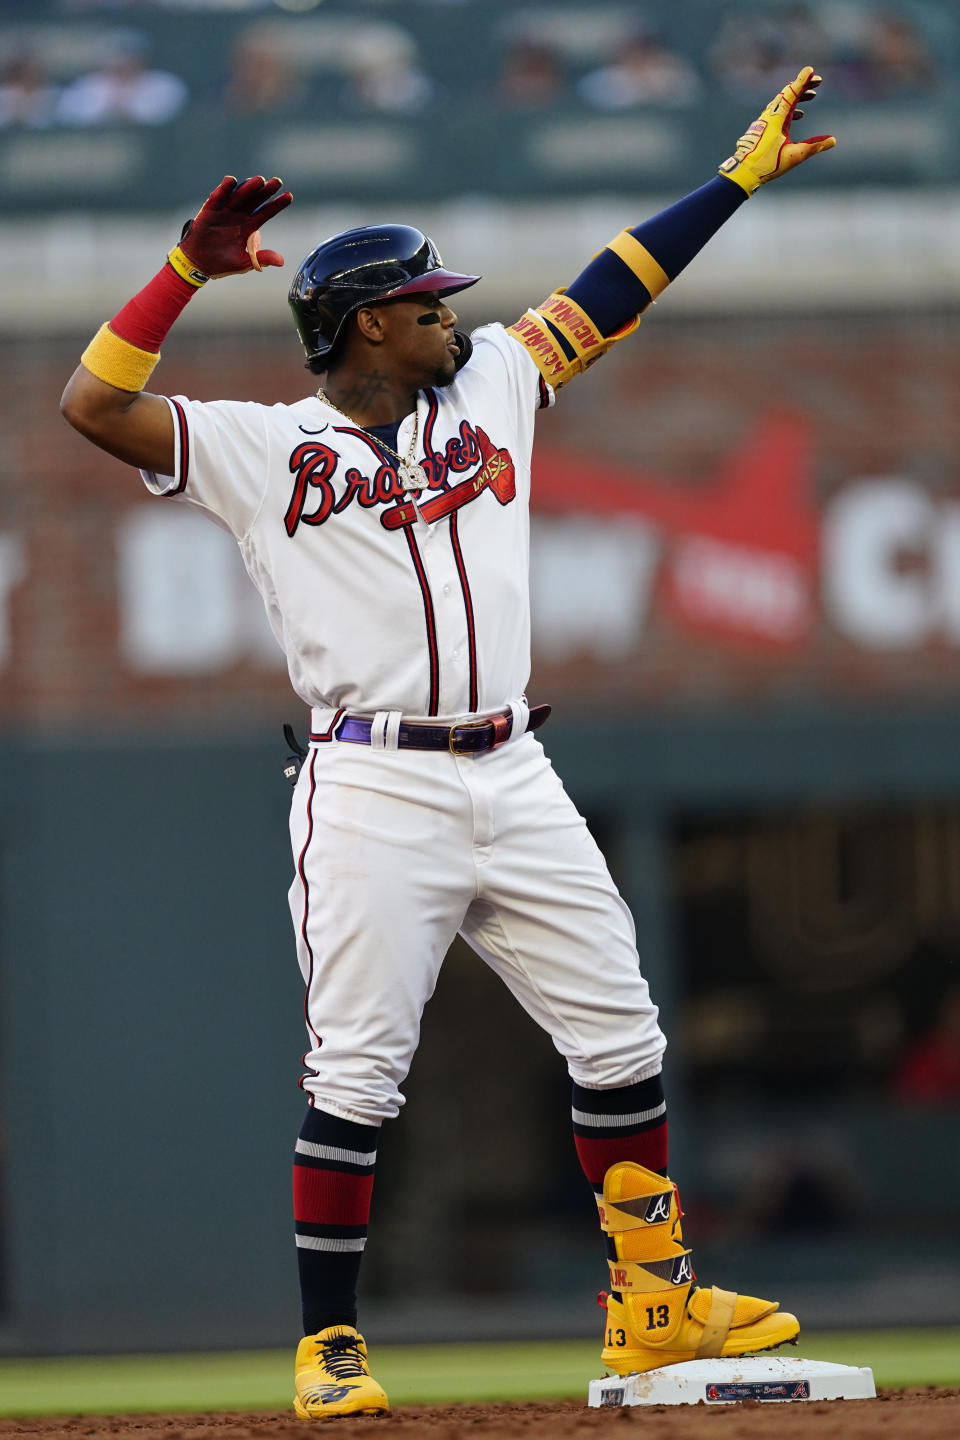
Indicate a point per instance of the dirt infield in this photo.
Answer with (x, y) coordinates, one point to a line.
(930, 1413)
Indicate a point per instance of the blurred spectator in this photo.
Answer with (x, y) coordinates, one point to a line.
(227, 5)
(26, 95)
(869, 54)
(531, 76)
(929, 1069)
(752, 52)
(803, 1182)
(70, 5)
(262, 81)
(892, 59)
(645, 72)
(387, 77)
(123, 90)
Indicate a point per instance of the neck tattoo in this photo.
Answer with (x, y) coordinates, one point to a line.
(411, 475)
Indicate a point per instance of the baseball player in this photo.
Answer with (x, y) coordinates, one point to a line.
(384, 520)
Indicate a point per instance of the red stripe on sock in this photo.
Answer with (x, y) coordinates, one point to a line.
(331, 1197)
(145, 320)
(649, 1148)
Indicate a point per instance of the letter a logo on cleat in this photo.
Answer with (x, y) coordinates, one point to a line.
(682, 1271)
(659, 1209)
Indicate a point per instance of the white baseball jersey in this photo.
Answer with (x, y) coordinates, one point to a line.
(381, 600)
(387, 602)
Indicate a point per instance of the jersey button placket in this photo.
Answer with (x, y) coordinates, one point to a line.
(451, 628)
(451, 619)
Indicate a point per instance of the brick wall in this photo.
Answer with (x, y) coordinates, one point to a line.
(690, 543)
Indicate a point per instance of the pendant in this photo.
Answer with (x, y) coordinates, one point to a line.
(413, 476)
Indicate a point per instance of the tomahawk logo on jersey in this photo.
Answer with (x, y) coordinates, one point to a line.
(315, 466)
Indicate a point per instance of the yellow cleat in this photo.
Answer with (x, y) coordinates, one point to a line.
(333, 1378)
(657, 1314)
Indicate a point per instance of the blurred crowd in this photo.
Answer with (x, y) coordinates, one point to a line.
(123, 89)
(372, 64)
(872, 54)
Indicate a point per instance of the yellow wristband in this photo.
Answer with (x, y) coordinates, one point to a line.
(186, 269)
(116, 362)
(637, 258)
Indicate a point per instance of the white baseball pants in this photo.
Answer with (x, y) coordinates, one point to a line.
(398, 850)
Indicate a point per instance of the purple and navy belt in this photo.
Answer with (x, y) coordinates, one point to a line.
(469, 737)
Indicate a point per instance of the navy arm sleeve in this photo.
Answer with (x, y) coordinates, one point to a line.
(608, 290)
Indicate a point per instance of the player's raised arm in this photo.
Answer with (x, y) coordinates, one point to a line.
(572, 328)
(104, 397)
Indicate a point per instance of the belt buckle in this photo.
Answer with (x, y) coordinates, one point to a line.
(501, 726)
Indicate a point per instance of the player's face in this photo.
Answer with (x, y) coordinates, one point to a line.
(419, 339)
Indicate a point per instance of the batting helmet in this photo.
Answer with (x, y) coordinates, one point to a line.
(360, 267)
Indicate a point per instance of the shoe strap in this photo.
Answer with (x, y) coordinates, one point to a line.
(628, 1276)
(638, 1212)
(716, 1327)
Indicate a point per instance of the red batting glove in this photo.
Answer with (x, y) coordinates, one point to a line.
(224, 237)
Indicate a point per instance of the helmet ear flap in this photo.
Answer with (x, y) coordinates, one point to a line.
(320, 363)
(465, 345)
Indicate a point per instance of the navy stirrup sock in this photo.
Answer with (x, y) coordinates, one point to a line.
(332, 1185)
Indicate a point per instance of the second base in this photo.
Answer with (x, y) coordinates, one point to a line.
(725, 1381)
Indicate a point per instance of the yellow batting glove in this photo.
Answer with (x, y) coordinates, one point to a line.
(766, 150)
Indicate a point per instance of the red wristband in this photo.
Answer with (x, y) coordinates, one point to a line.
(145, 320)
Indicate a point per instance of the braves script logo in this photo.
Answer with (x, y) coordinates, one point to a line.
(314, 466)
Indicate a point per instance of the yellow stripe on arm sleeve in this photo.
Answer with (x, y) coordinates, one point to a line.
(116, 362)
(638, 259)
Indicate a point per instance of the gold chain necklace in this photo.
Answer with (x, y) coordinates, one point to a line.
(412, 475)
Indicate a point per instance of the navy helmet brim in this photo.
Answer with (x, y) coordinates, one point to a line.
(445, 282)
